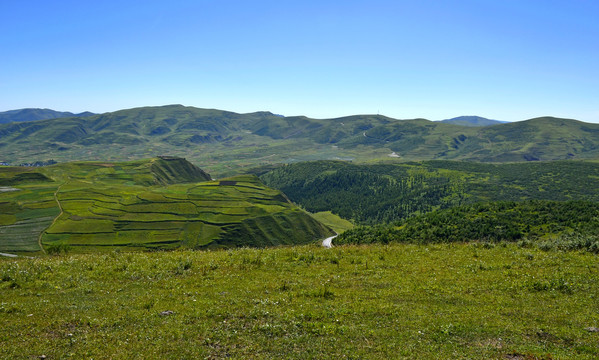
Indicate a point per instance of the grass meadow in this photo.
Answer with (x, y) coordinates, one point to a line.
(439, 301)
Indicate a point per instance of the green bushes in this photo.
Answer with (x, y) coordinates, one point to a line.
(570, 225)
(588, 242)
(374, 194)
(57, 249)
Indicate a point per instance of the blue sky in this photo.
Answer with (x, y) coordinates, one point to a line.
(507, 60)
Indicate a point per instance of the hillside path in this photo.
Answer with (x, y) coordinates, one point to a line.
(39, 239)
(15, 256)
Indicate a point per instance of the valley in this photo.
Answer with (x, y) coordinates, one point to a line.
(299, 180)
(473, 240)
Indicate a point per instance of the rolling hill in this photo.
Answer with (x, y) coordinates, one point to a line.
(161, 203)
(226, 143)
(22, 115)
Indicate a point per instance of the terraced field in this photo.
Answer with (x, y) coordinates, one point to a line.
(26, 210)
(90, 206)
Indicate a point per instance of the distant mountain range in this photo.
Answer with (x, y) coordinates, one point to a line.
(33, 114)
(21, 115)
(473, 121)
(226, 143)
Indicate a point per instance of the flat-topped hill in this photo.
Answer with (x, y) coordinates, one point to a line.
(162, 170)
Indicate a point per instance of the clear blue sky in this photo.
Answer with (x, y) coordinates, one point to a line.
(502, 59)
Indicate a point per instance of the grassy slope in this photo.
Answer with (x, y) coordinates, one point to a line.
(397, 301)
(224, 143)
(155, 204)
(333, 221)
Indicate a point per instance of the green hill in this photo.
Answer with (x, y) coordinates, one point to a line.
(226, 143)
(473, 121)
(162, 203)
(381, 193)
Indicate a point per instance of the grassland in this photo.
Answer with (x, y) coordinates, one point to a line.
(492, 300)
(442, 301)
(155, 204)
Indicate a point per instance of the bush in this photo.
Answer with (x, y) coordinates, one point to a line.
(57, 249)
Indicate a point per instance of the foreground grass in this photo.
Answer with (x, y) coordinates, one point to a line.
(393, 301)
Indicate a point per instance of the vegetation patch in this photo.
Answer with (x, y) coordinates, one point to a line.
(333, 221)
(570, 225)
(384, 193)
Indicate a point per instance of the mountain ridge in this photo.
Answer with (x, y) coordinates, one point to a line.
(34, 114)
(226, 142)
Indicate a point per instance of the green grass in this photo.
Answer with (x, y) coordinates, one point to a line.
(22, 236)
(24, 215)
(443, 301)
(209, 203)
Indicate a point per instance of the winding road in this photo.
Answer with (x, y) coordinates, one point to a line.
(328, 242)
(8, 255)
